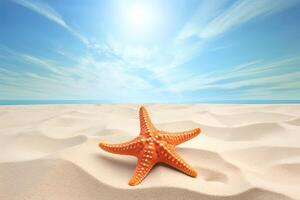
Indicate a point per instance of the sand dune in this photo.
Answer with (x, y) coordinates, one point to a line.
(30, 146)
(244, 152)
(295, 122)
(42, 179)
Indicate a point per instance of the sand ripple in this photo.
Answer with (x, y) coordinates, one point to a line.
(244, 152)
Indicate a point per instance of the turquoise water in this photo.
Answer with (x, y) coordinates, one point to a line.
(39, 102)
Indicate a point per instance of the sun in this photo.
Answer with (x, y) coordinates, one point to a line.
(138, 21)
(140, 17)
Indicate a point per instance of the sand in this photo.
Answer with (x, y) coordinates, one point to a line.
(244, 152)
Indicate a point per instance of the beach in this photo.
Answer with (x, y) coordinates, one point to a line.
(244, 151)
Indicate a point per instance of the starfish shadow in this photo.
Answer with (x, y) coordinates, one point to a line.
(168, 167)
(128, 164)
(115, 161)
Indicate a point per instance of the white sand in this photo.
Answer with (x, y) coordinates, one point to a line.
(244, 152)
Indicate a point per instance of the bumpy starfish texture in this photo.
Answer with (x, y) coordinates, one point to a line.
(153, 146)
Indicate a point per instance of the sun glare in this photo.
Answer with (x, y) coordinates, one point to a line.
(140, 17)
(139, 21)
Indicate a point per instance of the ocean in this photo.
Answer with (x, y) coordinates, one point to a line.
(41, 102)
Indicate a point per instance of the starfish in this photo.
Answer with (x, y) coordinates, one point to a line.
(153, 146)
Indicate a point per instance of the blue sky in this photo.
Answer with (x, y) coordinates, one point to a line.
(150, 51)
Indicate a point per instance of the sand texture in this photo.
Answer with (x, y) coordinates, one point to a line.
(50, 152)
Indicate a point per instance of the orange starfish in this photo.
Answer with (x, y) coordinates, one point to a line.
(153, 146)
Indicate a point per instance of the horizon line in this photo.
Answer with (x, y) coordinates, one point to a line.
(4, 102)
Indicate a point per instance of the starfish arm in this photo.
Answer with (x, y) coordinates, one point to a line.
(168, 156)
(180, 137)
(146, 160)
(145, 121)
(132, 147)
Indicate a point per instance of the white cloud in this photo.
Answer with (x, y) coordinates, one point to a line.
(42, 63)
(273, 79)
(37, 76)
(7, 72)
(207, 10)
(43, 9)
(214, 22)
(250, 74)
(88, 79)
(47, 11)
(158, 62)
(241, 12)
